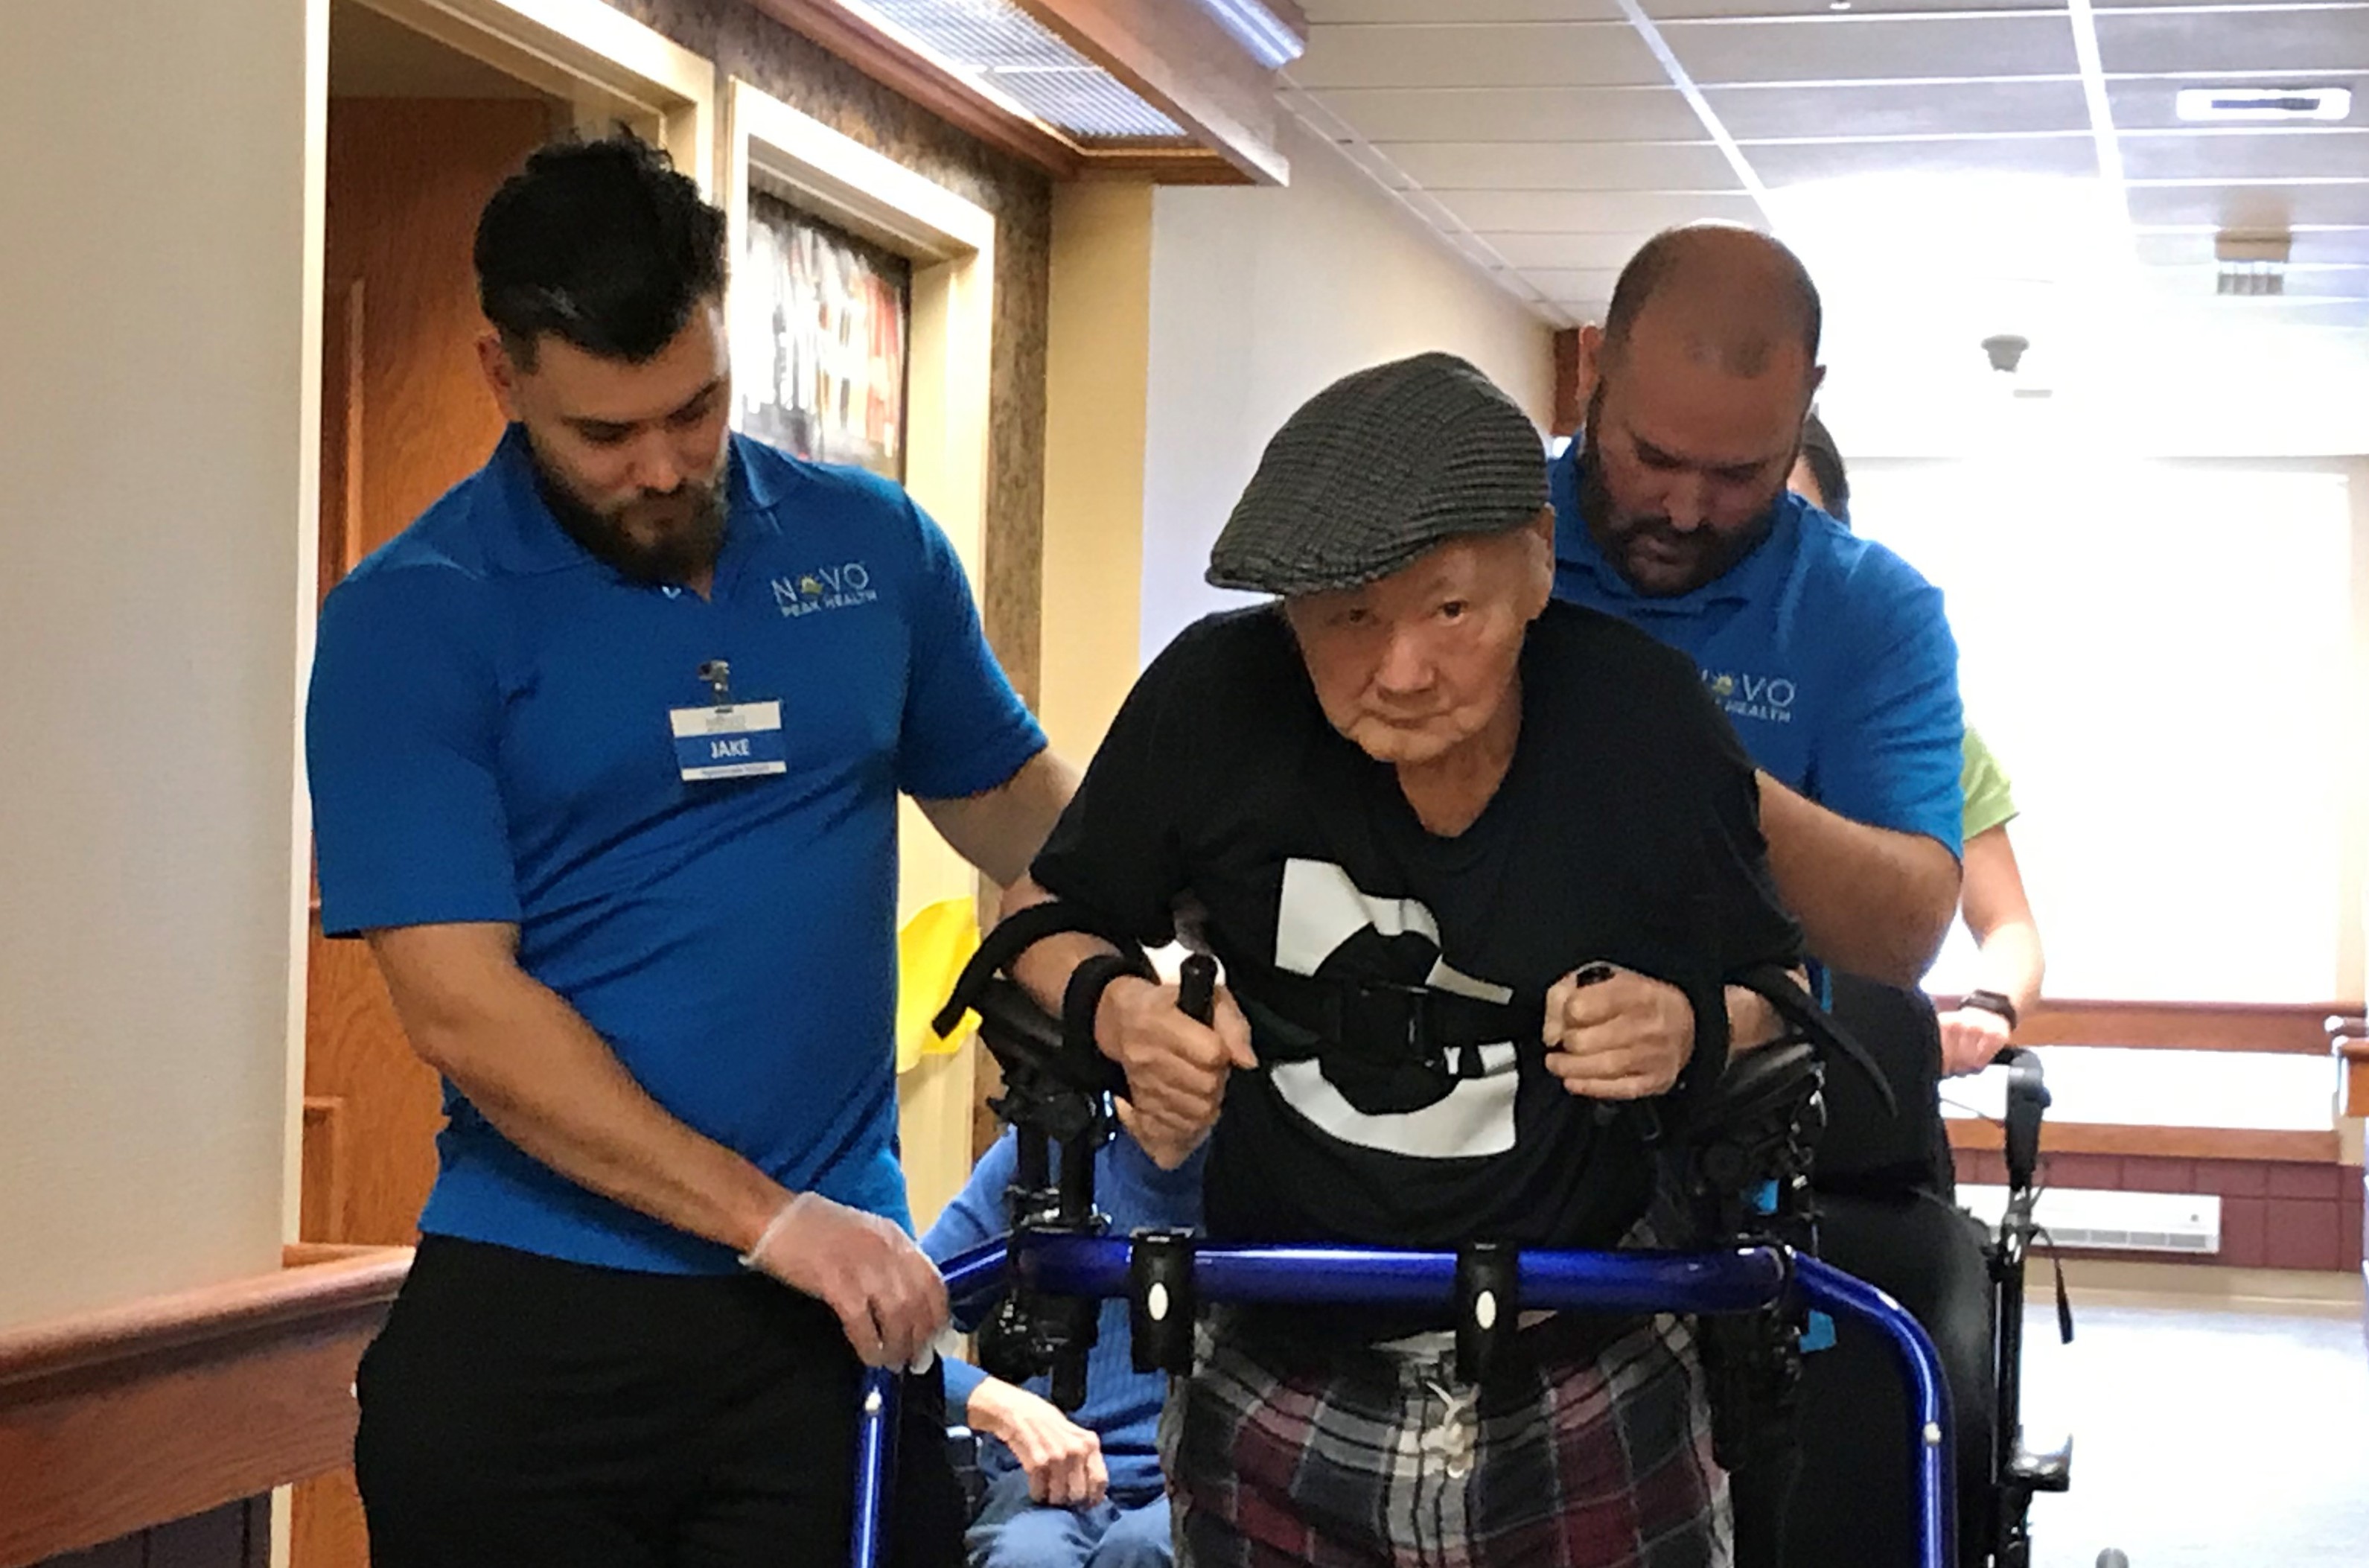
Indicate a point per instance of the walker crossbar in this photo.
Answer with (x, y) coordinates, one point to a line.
(1736, 1280)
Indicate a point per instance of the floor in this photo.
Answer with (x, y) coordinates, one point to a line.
(2208, 1434)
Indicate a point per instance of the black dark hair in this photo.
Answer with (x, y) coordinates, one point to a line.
(1825, 461)
(601, 244)
(1674, 251)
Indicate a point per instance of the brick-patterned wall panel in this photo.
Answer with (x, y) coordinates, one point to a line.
(748, 44)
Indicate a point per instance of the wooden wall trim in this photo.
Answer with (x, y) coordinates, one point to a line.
(2278, 1028)
(2169, 1142)
(1570, 397)
(117, 1421)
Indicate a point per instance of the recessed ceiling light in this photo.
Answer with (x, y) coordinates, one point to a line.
(1258, 30)
(2264, 103)
(1838, 5)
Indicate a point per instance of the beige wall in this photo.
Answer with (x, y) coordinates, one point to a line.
(1259, 298)
(154, 424)
(1097, 371)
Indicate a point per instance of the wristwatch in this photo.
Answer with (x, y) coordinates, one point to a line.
(1991, 1001)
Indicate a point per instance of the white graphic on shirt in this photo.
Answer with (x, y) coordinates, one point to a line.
(841, 587)
(1320, 911)
(1767, 697)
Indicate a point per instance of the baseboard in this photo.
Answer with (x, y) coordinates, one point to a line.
(2134, 1282)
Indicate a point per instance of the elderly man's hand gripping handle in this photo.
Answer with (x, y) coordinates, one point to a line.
(1612, 1034)
(1177, 1045)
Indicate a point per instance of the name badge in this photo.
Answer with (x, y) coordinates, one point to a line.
(740, 740)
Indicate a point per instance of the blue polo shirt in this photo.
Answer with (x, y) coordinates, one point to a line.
(1831, 654)
(490, 739)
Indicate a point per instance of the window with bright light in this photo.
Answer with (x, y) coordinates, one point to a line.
(2161, 655)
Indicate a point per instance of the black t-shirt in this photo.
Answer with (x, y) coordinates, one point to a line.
(1626, 830)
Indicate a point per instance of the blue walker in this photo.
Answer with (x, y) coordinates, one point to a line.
(1056, 1266)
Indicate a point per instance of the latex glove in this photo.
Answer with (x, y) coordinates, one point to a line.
(1970, 1036)
(889, 1298)
(1623, 1036)
(1176, 1068)
(1063, 1460)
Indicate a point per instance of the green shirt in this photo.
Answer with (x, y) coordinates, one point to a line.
(1990, 796)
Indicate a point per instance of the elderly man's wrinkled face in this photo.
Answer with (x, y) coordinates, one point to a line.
(1423, 661)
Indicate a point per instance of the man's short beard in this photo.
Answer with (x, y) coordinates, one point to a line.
(683, 552)
(1715, 553)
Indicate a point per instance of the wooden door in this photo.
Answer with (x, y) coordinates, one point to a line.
(404, 416)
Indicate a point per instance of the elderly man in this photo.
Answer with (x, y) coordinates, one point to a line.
(1478, 866)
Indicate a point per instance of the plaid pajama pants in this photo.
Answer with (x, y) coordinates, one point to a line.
(1386, 1461)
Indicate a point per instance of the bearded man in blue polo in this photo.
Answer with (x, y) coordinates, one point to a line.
(1830, 655)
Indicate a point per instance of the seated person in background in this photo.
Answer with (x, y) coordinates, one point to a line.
(1992, 901)
(1062, 1491)
(1478, 867)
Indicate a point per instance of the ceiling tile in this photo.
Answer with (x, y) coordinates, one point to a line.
(1893, 109)
(2302, 283)
(1557, 284)
(2323, 314)
(1584, 54)
(1804, 163)
(2254, 155)
(1592, 253)
(1629, 214)
(1516, 114)
(1865, 48)
(2193, 247)
(1327, 12)
(1693, 10)
(2152, 102)
(2245, 37)
(1572, 165)
(2250, 206)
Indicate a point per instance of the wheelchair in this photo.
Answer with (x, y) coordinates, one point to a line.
(1754, 1283)
(1887, 1210)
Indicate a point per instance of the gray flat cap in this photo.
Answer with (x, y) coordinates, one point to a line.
(1375, 470)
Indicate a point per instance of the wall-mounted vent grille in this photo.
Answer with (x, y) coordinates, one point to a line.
(2113, 1221)
(1005, 47)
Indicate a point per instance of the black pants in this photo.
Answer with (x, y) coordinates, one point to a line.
(1849, 1503)
(523, 1412)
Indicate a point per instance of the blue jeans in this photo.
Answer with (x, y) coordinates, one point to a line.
(1012, 1530)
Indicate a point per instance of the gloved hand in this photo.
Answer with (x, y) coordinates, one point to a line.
(888, 1294)
(1063, 1460)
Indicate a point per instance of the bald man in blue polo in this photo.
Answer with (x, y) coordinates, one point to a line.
(1830, 654)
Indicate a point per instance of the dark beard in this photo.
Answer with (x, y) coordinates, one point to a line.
(686, 551)
(1714, 555)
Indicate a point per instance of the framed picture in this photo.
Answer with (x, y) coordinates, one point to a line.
(821, 345)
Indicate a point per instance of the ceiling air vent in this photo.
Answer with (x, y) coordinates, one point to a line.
(1002, 46)
(2252, 265)
(2251, 103)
